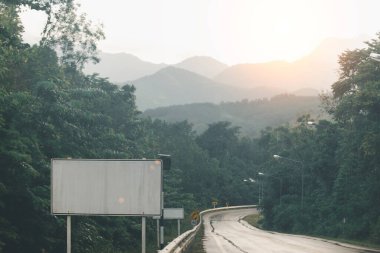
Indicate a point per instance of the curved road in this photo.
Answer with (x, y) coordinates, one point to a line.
(225, 232)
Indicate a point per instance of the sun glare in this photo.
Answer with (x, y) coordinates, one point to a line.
(242, 31)
(290, 29)
(293, 40)
(283, 28)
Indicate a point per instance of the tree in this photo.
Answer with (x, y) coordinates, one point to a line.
(220, 139)
(358, 112)
(341, 159)
(73, 35)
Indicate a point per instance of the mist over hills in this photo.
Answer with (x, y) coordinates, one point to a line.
(202, 65)
(317, 70)
(122, 67)
(251, 115)
(176, 86)
(204, 79)
(171, 85)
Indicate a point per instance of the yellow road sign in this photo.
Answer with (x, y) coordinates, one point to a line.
(195, 215)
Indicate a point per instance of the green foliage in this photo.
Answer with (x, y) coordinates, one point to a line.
(72, 34)
(340, 160)
(49, 108)
(219, 140)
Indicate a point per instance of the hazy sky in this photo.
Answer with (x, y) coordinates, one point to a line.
(232, 31)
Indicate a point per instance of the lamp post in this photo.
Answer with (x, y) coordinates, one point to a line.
(375, 57)
(262, 190)
(166, 164)
(302, 180)
(251, 180)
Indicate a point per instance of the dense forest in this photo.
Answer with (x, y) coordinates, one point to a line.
(332, 184)
(50, 109)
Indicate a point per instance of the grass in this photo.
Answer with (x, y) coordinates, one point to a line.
(352, 242)
(196, 245)
(254, 220)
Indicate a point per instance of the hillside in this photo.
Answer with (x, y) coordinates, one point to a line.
(202, 65)
(251, 116)
(175, 86)
(122, 67)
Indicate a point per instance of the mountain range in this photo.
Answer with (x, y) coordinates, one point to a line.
(122, 67)
(202, 65)
(318, 70)
(176, 86)
(204, 79)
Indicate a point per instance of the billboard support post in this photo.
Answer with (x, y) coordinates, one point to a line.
(162, 232)
(68, 234)
(158, 234)
(143, 235)
(161, 237)
(179, 227)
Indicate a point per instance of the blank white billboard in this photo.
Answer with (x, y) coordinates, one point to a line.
(172, 214)
(106, 187)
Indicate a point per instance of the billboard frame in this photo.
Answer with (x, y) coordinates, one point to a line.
(159, 179)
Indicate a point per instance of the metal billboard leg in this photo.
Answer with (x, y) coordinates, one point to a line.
(179, 227)
(68, 234)
(143, 235)
(158, 234)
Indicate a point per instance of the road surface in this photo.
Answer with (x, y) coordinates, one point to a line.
(225, 232)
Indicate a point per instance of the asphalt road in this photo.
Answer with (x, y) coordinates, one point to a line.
(225, 232)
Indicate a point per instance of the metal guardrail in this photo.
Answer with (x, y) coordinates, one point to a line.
(181, 243)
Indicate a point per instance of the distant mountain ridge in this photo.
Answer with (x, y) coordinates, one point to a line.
(204, 79)
(317, 70)
(122, 67)
(202, 65)
(174, 86)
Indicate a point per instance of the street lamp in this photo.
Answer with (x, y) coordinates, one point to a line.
(166, 164)
(251, 180)
(262, 190)
(375, 57)
(295, 161)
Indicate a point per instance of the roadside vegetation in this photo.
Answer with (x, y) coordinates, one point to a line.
(254, 220)
(196, 245)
